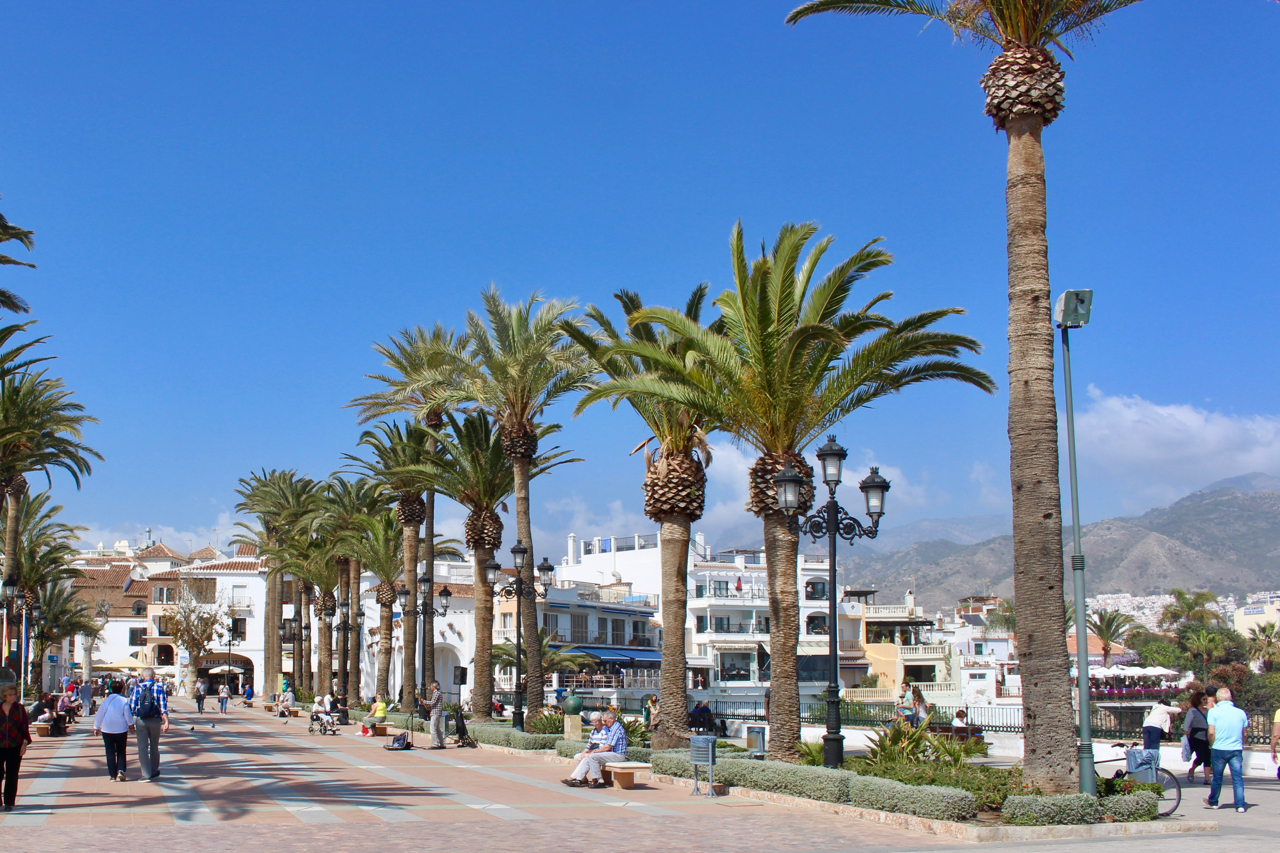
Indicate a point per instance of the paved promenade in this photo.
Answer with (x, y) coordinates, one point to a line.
(249, 779)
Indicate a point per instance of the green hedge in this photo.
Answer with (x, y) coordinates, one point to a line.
(990, 785)
(831, 786)
(1129, 808)
(507, 736)
(1060, 810)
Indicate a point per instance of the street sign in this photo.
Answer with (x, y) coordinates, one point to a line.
(53, 658)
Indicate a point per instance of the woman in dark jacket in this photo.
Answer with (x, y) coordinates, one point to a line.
(15, 734)
(1196, 728)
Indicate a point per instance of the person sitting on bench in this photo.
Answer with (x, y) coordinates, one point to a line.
(960, 721)
(338, 707)
(377, 714)
(610, 744)
(43, 711)
(286, 702)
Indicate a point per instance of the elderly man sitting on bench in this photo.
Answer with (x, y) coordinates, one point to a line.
(607, 744)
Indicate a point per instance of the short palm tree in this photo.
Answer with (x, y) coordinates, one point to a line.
(1206, 645)
(784, 363)
(1264, 644)
(562, 659)
(675, 478)
(1110, 627)
(10, 301)
(46, 547)
(1189, 607)
(471, 466)
(418, 368)
(1024, 92)
(518, 362)
(377, 542)
(60, 614)
(41, 428)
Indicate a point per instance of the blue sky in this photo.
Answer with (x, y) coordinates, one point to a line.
(232, 202)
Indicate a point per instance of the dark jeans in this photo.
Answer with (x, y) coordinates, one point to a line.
(11, 761)
(1151, 737)
(1221, 759)
(117, 746)
(199, 703)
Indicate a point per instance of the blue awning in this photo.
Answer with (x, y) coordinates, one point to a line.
(603, 654)
(644, 655)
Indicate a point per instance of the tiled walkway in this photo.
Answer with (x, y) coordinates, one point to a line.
(249, 779)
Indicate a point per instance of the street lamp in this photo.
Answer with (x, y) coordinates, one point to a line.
(1072, 312)
(832, 521)
(344, 627)
(291, 632)
(420, 610)
(521, 592)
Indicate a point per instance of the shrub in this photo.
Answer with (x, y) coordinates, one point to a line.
(507, 736)
(929, 801)
(990, 786)
(637, 734)
(1124, 785)
(1128, 808)
(545, 723)
(1060, 810)
(899, 743)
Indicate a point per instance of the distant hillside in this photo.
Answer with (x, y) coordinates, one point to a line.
(1225, 538)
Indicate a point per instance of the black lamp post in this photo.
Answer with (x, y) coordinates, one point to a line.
(833, 522)
(516, 589)
(420, 612)
(348, 628)
(10, 589)
(292, 632)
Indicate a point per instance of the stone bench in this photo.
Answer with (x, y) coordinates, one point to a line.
(295, 712)
(379, 729)
(42, 729)
(270, 707)
(622, 774)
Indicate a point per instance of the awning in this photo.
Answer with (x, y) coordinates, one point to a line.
(644, 655)
(611, 655)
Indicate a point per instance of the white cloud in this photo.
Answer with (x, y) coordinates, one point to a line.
(184, 540)
(1158, 453)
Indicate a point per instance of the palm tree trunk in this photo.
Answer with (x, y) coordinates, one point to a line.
(482, 666)
(673, 699)
(529, 610)
(782, 548)
(324, 660)
(384, 650)
(308, 679)
(355, 643)
(410, 683)
(1050, 761)
(344, 594)
(11, 568)
(273, 655)
(429, 558)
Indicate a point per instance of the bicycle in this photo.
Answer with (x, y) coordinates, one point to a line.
(1171, 795)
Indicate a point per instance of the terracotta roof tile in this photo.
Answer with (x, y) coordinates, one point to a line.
(246, 550)
(1095, 646)
(224, 565)
(160, 550)
(205, 553)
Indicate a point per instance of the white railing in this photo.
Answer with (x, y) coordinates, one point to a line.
(874, 610)
(750, 593)
(504, 635)
(929, 688)
(240, 602)
(934, 651)
(461, 574)
(870, 694)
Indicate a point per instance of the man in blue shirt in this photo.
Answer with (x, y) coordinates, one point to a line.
(1226, 737)
(607, 744)
(150, 705)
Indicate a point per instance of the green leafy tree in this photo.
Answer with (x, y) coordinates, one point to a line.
(1205, 645)
(784, 363)
(196, 622)
(1192, 607)
(1110, 627)
(1024, 94)
(58, 614)
(566, 658)
(1264, 644)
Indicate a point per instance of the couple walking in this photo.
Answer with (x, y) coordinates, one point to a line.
(145, 714)
(202, 693)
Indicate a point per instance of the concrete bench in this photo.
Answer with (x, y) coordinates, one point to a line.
(295, 712)
(42, 729)
(270, 707)
(622, 774)
(379, 729)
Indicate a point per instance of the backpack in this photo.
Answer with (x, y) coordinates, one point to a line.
(148, 708)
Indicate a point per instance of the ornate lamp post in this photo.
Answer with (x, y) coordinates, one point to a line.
(347, 629)
(292, 631)
(833, 522)
(420, 611)
(516, 589)
(10, 589)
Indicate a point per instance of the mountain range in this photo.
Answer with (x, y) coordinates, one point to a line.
(1224, 538)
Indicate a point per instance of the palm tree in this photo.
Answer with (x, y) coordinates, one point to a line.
(41, 427)
(1110, 627)
(1024, 94)
(59, 614)
(312, 561)
(471, 466)
(10, 301)
(782, 365)
(1003, 617)
(675, 479)
(1206, 644)
(395, 448)
(377, 542)
(518, 362)
(419, 365)
(1190, 607)
(1264, 644)
(562, 659)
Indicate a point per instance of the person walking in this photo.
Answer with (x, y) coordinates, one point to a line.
(1226, 739)
(1196, 728)
(86, 698)
(224, 696)
(202, 690)
(114, 721)
(436, 704)
(15, 736)
(150, 706)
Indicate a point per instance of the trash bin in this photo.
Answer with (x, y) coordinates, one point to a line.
(702, 754)
(756, 744)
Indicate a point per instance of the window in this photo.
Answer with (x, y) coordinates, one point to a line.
(578, 626)
(162, 626)
(977, 676)
(619, 633)
(602, 630)
(551, 624)
(720, 589)
(816, 623)
(139, 608)
(815, 591)
(239, 596)
(721, 624)
(699, 591)
(163, 595)
(977, 648)
(702, 624)
(137, 636)
(238, 629)
(506, 622)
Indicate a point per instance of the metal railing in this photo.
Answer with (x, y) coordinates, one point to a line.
(749, 593)
(612, 596)
(240, 602)
(735, 628)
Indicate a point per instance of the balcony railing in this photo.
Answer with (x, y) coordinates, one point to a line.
(748, 593)
(874, 610)
(613, 596)
(582, 638)
(851, 646)
(240, 602)
(735, 628)
(1004, 692)
(930, 651)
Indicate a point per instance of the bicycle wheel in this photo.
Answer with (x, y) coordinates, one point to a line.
(1171, 798)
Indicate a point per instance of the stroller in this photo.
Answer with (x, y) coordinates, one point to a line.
(321, 725)
(460, 732)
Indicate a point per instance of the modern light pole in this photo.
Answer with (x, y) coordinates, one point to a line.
(516, 589)
(833, 522)
(1072, 312)
(420, 612)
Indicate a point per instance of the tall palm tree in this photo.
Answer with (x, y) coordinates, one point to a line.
(471, 466)
(518, 362)
(1110, 627)
(419, 366)
(1190, 607)
(1205, 644)
(675, 479)
(1264, 644)
(41, 428)
(1024, 93)
(10, 301)
(313, 562)
(783, 364)
(377, 542)
(396, 447)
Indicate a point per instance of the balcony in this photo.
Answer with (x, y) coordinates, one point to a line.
(754, 594)
(240, 602)
(736, 628)
(932, 651)
(892, 610)
(851, 646)
(613, 596)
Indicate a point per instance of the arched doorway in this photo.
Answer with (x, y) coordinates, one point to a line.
(446, 659)
(164, 655)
